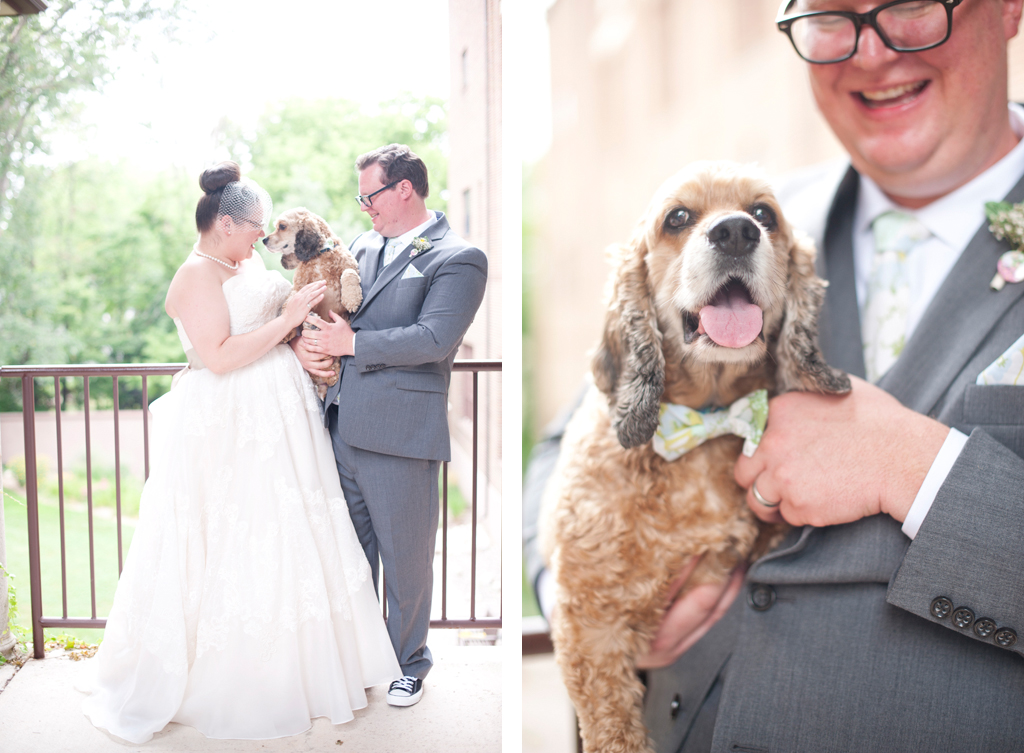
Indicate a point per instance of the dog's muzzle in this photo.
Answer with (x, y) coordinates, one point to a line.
(734, 235)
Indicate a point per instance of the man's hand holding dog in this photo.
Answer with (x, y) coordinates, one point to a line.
(329, 339)
(829, 459)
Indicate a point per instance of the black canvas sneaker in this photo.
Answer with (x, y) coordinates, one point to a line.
(406, 691)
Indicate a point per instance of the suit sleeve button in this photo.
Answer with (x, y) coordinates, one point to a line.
(761, 597)
(963, 618)
(941, 608)
(984, 628)
(1005, 637)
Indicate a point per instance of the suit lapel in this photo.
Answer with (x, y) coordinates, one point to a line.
(370, 259)
(840, 315)
(435, 233)
(391, 271)
(955, 324)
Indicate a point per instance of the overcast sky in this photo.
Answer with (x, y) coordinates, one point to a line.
(236, 55)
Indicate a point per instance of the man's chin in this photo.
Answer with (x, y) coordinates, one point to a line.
(896, 154)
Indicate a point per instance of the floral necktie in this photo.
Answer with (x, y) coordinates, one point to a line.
(391, 251)
(884, 325)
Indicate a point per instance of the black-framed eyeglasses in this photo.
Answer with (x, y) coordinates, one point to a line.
(367, 199)
(903, 25)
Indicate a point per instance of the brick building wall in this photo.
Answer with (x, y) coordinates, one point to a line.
(474, 211)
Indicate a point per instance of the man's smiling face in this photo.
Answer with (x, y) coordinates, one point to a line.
(384, 211)
(921, 124)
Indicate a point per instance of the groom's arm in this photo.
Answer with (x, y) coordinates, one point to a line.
(455, 294)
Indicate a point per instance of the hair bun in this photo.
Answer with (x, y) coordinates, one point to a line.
(218, 176)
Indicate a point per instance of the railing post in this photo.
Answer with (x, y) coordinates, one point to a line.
(28, 417)
(8, 646)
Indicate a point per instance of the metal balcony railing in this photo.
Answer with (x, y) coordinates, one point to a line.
(28, 375)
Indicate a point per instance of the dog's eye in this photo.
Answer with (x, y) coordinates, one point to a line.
(677, 219)
(764, 215)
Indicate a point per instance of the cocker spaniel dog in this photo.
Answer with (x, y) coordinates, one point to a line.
(713, 299)
(309, 246)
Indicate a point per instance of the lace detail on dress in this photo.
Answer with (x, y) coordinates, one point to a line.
(254, 298)
(307, 559)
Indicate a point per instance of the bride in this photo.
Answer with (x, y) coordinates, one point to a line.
(245, 607)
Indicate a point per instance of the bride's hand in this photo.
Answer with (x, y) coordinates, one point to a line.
(302, 302)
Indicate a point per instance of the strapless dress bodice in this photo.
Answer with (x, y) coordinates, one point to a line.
(254, 298)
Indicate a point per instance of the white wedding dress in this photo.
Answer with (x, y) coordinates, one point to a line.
(245, 607)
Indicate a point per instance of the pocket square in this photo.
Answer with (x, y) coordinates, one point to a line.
(1007, 369)
(411, 272)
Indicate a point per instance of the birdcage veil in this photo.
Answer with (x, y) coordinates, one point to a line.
(245, 201)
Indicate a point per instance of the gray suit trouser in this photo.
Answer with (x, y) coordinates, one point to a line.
(394, 506)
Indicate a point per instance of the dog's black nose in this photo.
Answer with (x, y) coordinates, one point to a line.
(265, 240)
(735, 236)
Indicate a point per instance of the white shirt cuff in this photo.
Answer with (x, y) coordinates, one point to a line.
(941, 466)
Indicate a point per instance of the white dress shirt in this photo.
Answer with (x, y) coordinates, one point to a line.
(397, 244)
(952, 220)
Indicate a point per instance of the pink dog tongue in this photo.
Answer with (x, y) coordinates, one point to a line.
(731, 320)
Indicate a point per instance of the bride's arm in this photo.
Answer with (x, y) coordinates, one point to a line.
(195, 295)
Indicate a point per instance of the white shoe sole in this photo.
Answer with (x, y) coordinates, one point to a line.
(405, 700)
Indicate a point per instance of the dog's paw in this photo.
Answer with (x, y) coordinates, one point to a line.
(351, 291)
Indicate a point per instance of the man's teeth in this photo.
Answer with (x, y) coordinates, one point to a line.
(892, 93)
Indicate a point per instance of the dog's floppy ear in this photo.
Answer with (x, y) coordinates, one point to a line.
(801, 366)
(628, 365)
(308, 239)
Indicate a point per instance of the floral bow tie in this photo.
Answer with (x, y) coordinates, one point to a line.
(680, 428)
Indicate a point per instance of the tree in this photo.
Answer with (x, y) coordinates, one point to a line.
(48, 59)
(304, 151)
(88, 257)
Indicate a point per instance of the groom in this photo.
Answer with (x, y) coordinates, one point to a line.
(387, 415)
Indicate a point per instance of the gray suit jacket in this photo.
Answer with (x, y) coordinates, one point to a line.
(847, 655)
(393, 394)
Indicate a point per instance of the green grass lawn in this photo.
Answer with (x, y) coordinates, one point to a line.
(530, 607)
(76, 534)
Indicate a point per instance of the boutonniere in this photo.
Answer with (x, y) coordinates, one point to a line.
(419, 245)
(1006, 222)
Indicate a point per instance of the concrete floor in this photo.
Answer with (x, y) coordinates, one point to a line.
(549, 725)
(40, 712)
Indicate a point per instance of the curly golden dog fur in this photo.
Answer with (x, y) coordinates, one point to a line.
(309, 246)
(619, 521)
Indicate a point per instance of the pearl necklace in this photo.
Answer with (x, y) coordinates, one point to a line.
(196, 250)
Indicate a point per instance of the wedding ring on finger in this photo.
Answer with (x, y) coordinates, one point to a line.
(760, 499)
